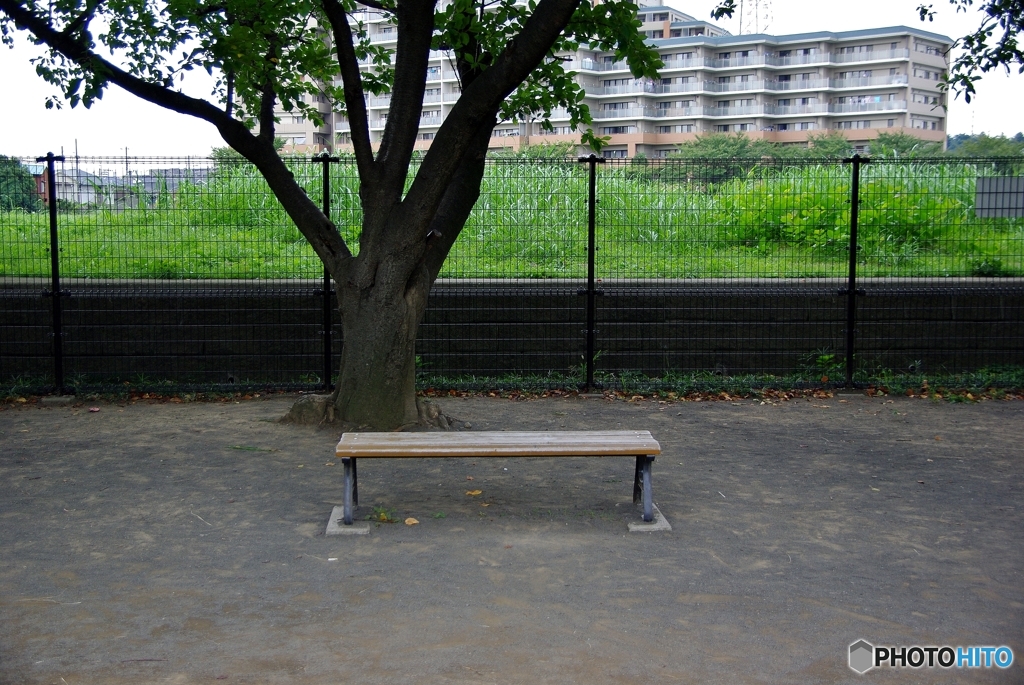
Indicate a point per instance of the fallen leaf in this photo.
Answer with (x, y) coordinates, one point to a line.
(474, 493)
(921, 482)
(330, 463)
(469, 477)
(94, 409)
(411, 521)
(485, 504)
(939, 438)
(300, 466)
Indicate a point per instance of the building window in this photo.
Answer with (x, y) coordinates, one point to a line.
(659, 33)
(782, 127)
(608, 106)
(721, 128)
(615, 154)
(662, 16)
(890, 123)
(617, 130)
(675, 33)
(724, 55)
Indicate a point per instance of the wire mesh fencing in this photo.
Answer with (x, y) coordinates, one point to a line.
(187, 273)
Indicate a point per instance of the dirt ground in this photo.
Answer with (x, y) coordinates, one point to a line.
(184, 543)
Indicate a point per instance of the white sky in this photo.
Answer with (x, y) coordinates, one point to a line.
(121, 121)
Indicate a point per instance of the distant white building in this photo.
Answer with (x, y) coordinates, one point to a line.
(780, 88)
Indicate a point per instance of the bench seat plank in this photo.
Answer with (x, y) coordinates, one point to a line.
(499, 444)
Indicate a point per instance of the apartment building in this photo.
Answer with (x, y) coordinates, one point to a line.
(781, 88)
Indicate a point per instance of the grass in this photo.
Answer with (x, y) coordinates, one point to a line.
(531, 219)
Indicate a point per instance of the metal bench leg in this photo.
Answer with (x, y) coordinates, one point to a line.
(637, 475)
(347, 498)
(648, 495)
(355, 484)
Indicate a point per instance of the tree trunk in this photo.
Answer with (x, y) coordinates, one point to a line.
(377, 381)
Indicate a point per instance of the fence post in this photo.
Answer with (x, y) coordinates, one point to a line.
(850, 290)
(592, 160)
(55, 292)
(328, 367)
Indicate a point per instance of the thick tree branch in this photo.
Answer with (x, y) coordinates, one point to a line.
(83, 19)
(482, 98)
(316, 228)
(459, 198)
(415, 29)
(355, 105)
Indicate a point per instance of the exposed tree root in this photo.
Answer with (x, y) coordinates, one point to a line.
(318, 410)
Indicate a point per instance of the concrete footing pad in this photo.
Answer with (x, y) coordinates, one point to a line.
(659, 523)
(336, 527)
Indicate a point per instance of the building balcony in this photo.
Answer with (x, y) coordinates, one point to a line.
(850, 108)
(796, 60)
(791, 110)
(734, 62)
(803, 84)
(869, 56)
(716, 87)
(679, 87)
(677, 112)
(895, 80)
(643, 87)
(627, 113)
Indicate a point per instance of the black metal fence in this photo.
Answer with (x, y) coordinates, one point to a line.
(161, 273)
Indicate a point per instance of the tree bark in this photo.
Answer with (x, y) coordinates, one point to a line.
(384, 297)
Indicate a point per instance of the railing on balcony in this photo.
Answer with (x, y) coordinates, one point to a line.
(627, 113)
(869, 56)
(785, 110)
(679, 87)
(849, 107)
(643, 87)
(869, 82)
(802, 84)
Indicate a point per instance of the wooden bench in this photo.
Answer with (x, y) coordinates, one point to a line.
(480, 444)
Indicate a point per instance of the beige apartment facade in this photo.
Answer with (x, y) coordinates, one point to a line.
(782, 88)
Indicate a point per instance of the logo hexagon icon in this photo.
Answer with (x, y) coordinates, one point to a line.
(862, 656)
